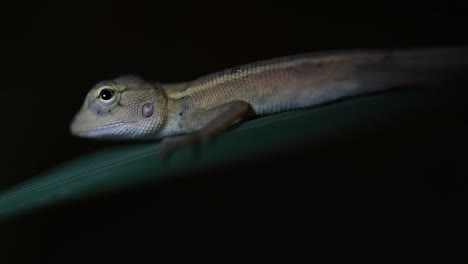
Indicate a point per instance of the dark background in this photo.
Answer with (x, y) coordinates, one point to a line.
(53, 52)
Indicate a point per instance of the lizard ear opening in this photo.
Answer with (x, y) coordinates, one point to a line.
(147, 110)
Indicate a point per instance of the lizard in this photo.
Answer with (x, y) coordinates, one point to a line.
(130, 107)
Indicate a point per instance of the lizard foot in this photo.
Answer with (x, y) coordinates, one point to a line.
(171, 144)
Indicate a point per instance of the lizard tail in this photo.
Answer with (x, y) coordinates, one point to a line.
(419, 66)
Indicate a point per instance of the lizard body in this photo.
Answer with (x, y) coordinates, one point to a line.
(129, 107)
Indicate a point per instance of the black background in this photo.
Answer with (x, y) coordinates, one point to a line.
(53, 52)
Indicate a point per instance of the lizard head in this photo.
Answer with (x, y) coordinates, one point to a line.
(123, 108)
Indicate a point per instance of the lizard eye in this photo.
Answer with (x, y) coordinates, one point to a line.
(106, 94)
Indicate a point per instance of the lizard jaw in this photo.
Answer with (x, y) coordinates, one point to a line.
(113, 130)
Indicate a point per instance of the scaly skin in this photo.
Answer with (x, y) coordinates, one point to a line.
(137, 109)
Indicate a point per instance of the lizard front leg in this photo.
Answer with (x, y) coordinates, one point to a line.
(225, 116)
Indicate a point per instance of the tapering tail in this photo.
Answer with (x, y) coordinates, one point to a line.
(419, 66)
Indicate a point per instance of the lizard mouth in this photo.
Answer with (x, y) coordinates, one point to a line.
(106, 130)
